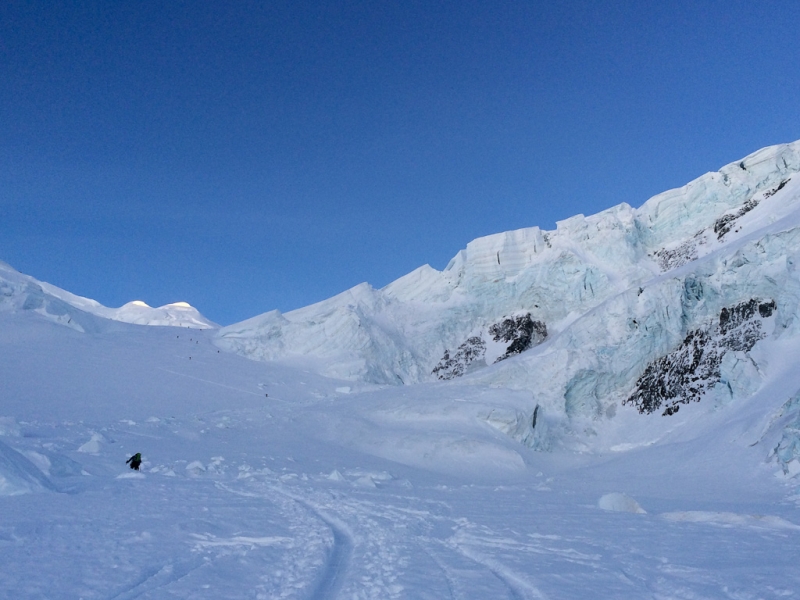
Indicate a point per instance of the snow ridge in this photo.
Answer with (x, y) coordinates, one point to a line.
(22, 292)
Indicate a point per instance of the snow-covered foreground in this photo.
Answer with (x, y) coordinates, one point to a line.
(264, 481)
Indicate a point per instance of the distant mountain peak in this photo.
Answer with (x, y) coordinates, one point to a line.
(22, 292)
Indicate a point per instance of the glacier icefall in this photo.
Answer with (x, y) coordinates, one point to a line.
(601, 284)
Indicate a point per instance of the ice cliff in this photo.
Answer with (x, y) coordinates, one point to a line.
(598, 312)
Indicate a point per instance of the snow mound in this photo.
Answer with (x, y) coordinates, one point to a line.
(18, 475)
(335, 475)
(94, 445)
(619, 502)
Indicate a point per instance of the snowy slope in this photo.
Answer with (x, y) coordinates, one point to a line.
(22, 292)
(265, 481)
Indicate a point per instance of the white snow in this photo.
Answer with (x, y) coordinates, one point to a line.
(524, 479)
(731, 520)
(619, 502)
(93, 446)
(22, 292)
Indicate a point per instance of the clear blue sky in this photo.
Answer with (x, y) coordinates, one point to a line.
(244, 156)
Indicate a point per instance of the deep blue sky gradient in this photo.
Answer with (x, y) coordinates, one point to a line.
(246, 156)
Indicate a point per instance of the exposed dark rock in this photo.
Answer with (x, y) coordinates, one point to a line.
(523, 332)
(682, 376)
(687, 251)
(740, 319)
(468, 352)
(725, 223)
(773, 191)
(689, 371)
(520, 333)
(672, 259)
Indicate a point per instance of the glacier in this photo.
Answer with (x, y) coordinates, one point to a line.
(615, 292)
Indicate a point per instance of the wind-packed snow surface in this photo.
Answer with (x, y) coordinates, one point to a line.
(610, 410)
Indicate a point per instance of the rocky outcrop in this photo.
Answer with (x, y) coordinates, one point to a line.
(688, 372)
(689, 250)
(450, 367)
(515, 334)
(519, 333)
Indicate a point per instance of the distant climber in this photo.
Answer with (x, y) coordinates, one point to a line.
(135, 461)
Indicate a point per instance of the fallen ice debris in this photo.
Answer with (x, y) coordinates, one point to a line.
(195, 468)
(336, 476)
(365, 481)
(787, 451)
(618, 502)
(790, 469)
(93, 445)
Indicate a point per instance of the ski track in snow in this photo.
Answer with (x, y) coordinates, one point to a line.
(339, 555)
(367, 534)
(364, 535)
(157, 578)
(371, 545)
(338, 564)
(316, 538)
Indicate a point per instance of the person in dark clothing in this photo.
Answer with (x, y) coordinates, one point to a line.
(135, 461)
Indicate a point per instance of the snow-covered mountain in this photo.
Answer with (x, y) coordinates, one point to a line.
(649, 308)
(401, 333)
(22, 292)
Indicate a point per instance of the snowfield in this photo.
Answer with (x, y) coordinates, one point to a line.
(620, 418)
